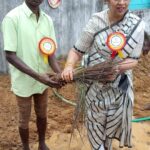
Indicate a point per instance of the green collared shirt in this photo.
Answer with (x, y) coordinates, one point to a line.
(22, 33)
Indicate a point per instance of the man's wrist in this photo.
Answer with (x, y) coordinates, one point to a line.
(37, 77)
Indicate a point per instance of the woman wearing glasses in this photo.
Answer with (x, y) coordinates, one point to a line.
(115, 34)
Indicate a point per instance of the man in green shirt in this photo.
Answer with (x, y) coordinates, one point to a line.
(23, 28)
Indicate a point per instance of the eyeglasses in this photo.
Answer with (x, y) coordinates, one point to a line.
(122, 0)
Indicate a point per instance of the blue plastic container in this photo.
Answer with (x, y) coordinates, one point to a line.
(139, 4)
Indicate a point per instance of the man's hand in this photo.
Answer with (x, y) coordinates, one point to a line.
(49, 80)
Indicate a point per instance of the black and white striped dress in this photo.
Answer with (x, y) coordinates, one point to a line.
(109, 107)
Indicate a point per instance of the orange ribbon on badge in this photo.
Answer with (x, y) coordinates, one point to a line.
(47, 47)
(116, 42)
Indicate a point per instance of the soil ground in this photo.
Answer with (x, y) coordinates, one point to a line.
(60, 116)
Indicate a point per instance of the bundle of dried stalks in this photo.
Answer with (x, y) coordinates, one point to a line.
(100, 72)
(81, 75)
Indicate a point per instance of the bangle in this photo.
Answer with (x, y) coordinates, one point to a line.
(69, 64)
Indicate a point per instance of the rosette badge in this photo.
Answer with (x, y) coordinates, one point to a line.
(47, 47)
(54, 3)
(116, 42)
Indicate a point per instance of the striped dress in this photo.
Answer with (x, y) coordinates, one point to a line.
(109, 106)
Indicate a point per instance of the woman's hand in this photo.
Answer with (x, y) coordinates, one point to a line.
(112, 74)
(67, 74)
(127, 64)
(73, 58)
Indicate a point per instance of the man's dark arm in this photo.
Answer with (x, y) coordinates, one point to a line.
(54, 64)
(20, 65)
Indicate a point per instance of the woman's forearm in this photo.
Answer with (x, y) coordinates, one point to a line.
(73, 58)
(127, 64)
